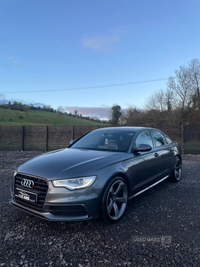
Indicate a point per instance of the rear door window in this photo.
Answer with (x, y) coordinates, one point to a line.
(159, 139)
(168, 140)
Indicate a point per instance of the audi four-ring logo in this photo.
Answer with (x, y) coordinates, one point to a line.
(27, 183)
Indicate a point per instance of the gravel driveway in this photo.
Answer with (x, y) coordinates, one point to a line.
(161, 227)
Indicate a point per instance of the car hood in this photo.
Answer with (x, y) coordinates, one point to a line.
(69, 162)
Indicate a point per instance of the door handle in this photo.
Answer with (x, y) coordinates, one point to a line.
(156, 155)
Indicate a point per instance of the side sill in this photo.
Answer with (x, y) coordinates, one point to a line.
(140, 192)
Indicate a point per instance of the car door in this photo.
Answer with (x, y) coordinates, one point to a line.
(164, 151)
(143, 167)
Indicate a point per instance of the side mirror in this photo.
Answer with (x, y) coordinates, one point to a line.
(71, 142)
(142, 148)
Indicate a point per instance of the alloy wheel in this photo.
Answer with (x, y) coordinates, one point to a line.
(116, 199)
(177, 169)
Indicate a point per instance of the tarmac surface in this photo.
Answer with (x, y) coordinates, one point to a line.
(161, 227)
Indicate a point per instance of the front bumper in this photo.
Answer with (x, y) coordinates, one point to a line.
(60, 204)
(64, 211)
(50, 216)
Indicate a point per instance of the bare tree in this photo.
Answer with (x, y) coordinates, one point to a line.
(60, 109)
(59, 112)
(194, 68)
(181, 101)
(161, 100)
(133, 116)
(170, 100)
(181, 84)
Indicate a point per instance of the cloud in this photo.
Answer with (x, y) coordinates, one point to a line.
(2, 95)
(2, 99)
(38, 104)
(99, 43)
(10, 58)
(17, 63)
(13, 62)
(98, 112)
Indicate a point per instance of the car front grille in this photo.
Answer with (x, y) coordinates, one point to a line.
(40, 188)
(69, 211)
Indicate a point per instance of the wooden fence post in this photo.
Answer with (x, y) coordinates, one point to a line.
(46, 139)
(182, 143)
(22, 139)
(72, 133)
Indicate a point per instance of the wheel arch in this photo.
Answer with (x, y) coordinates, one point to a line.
(117, 174)
(177, 156)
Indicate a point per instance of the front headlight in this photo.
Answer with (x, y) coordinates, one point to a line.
(75, 183)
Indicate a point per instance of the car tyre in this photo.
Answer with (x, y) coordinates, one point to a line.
(177, 170)
(114, 200)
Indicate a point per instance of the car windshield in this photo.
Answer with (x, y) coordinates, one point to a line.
(118, 141)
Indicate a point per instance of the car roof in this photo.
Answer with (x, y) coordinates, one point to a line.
(125, 128)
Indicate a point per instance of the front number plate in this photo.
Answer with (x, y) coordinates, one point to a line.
(26, 195)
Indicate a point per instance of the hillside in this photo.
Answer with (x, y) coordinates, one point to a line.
(35, 117)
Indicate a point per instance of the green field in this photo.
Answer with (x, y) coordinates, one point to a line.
(36, 117)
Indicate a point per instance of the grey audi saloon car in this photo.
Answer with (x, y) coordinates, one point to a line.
(96, 175)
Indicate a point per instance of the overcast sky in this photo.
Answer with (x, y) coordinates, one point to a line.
(51, 46)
